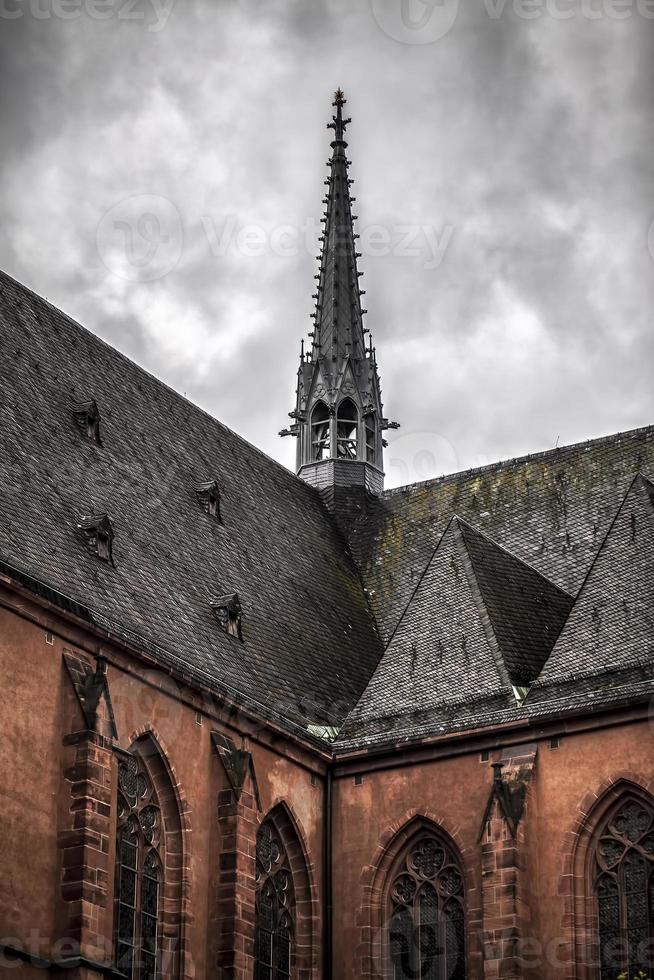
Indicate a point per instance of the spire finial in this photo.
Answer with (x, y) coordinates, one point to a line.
(338, 124)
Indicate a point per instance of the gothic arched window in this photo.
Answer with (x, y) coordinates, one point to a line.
(624, 888)
(139, 873)
(426, 935)
(320, 425)
(347, 424)
(275, 907)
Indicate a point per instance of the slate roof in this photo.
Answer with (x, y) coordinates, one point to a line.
(469, 606)
(475, 599)
(526, 610)
(310, 642)
(613, 617)
(617, 688)
(479, 623)
(551, 510)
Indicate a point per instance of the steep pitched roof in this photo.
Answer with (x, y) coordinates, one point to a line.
(310, 642)
(526, 610)
(479, 622)
(552, 510)
(611, 626)
(604, 653)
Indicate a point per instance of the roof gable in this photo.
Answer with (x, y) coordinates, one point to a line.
(611, 626)
(443, 650)
(480, 624)
(526, 610)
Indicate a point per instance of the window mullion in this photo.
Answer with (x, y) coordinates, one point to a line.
(138, 910)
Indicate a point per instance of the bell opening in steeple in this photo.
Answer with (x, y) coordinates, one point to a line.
(347, 430)
(320, 432)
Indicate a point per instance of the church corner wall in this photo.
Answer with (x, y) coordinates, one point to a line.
(523, 880)
(520, 888)
(59, 807)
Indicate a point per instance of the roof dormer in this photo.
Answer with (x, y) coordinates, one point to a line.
(208, 494)
(227, 610)
(98, 532)
(87, 419)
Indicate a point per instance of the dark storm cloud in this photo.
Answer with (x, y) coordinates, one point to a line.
(153, 158)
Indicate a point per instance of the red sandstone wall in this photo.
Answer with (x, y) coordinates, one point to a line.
(30, 750)
(37, 706)
(37, 710)
(454, 792)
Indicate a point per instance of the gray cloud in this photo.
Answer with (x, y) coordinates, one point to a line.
(530, 139)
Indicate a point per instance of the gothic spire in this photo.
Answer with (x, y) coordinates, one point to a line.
(338, 320)
(338, 418)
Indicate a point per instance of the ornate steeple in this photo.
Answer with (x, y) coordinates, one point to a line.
(338, 418)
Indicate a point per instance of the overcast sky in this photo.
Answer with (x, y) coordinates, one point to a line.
(162, 177)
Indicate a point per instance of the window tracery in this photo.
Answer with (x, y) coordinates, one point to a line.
(624, 889)
(275, 907)
(426, 935)
(139, 875)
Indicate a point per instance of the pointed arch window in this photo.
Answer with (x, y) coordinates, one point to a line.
(347, 425)
(275, 907)
(139, 873)
(624, 890)
(320, 438)
(426, 932)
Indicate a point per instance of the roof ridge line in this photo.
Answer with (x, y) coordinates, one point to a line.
(638, 476)
(412, 596)
(153, 377)
(601, 547)
(517, 460)
(400, 620)
(514, 557)
(646, 480)
(483, 611)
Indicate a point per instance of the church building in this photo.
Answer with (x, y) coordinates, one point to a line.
(263, 725)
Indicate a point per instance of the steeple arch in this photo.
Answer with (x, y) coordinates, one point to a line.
(339, 367)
